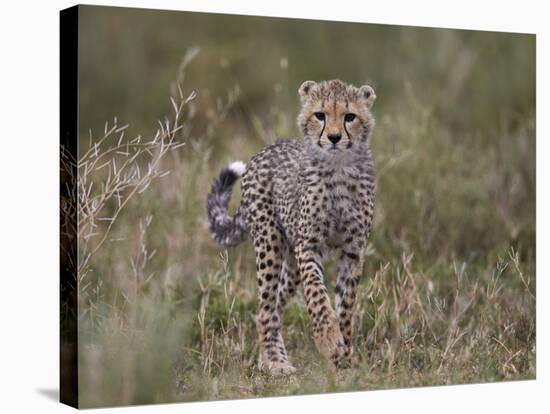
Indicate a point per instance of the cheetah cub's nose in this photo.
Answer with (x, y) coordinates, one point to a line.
(334, 138)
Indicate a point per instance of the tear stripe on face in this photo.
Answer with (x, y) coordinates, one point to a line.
(347, 133)
(322, 130)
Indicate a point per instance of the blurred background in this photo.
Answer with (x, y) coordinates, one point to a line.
(472, 81)
(166, 315)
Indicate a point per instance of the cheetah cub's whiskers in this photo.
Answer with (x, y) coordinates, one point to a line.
(301, 200)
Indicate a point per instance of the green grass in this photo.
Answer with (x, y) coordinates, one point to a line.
(447, 294)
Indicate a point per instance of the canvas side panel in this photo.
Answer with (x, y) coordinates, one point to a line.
(68, 206)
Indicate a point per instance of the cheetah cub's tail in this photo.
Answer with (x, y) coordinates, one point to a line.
(226, 230)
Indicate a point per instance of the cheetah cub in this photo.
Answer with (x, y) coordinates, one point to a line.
(302, 200)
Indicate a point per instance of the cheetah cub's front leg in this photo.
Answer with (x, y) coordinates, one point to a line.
(326, 328)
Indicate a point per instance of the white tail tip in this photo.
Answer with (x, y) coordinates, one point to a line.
(238, 167)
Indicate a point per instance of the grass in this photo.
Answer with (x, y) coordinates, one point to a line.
(448, 290)
(447, 295)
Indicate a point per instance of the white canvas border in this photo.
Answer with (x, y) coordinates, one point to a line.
(29, 207)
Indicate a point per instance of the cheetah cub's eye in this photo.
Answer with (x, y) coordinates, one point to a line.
(320, 116)
(349, 117)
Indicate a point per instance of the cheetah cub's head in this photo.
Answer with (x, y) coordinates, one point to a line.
(335, 117)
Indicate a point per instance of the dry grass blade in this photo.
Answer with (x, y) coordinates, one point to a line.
(121, 159)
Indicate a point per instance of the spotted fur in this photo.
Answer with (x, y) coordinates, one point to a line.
(302, 200)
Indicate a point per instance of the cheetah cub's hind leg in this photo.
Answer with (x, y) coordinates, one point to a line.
(269, 258)
(349, 272)
(289, 279)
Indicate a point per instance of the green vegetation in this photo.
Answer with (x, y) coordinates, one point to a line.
(448, 290)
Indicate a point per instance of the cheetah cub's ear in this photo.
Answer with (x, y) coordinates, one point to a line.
(367, 94)
(306, 89)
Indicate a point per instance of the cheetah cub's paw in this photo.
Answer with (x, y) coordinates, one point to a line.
(330, 342)
(348, 361)
(354, 360)
(276, 369)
